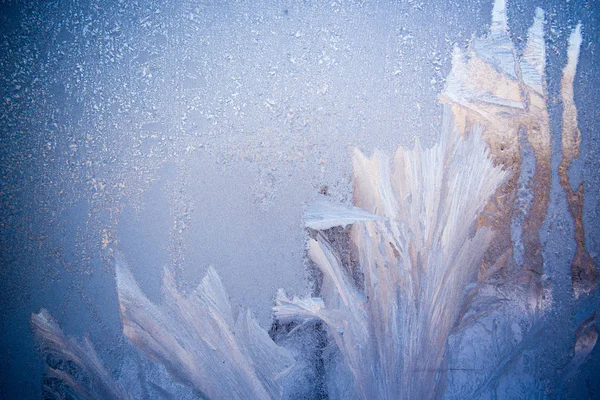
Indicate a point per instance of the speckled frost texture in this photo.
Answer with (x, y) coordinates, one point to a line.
(417, 262)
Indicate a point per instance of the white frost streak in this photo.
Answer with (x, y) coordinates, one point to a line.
(60, 350)
(533, 61)
(324, 214)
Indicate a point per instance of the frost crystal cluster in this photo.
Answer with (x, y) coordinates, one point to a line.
(432, 284)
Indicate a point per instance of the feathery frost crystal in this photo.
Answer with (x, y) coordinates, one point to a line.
(438, 288)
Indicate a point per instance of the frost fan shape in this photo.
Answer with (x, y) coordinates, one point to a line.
(417, 260)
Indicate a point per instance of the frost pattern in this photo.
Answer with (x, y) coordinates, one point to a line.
(416, 264)
(401, 315)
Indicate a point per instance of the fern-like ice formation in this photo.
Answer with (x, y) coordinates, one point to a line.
(418, 244)
(203, 341)
(73, 364)
(417, 262)
(400, 309)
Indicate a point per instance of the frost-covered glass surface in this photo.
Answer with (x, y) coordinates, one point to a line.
(391, 200)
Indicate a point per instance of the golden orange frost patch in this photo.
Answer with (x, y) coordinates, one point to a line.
(490, 86)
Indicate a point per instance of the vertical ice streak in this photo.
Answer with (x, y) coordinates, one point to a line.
(496, 48)
(524, 198)
(584, 272)
(533, 62)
